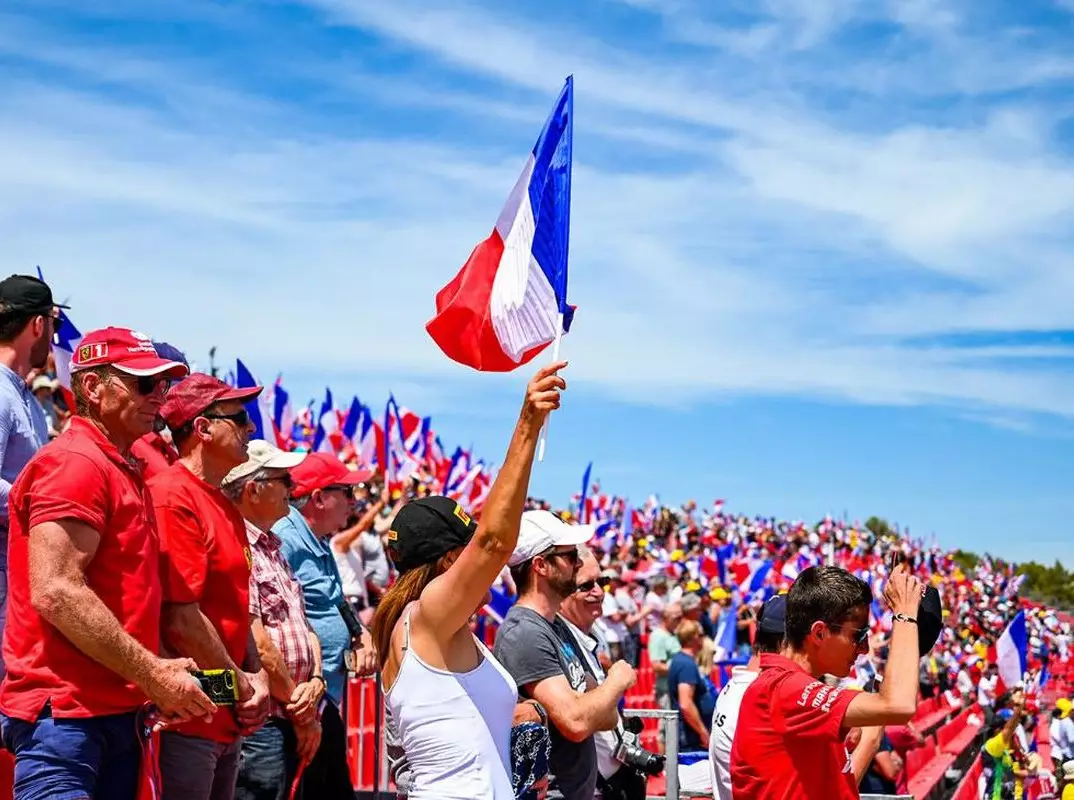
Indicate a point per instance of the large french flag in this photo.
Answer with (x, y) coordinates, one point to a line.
(506, 304)
(1011, 653)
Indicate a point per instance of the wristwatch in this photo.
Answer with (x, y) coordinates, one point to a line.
(321, 679)
(904, 618)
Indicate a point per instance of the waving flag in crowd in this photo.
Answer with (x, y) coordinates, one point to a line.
(509, 300)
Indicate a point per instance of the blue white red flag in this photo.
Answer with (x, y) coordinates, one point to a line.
(260, 407)
(1012, 653)
(506, 303)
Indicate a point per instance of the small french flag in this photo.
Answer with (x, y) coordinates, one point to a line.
(509, 300)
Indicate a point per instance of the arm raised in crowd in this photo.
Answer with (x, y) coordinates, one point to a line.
(449, 601)
(896, 702)
(59, 554)
(579, 716)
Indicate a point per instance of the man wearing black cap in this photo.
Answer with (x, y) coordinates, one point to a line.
(26, 322)
(768, 639)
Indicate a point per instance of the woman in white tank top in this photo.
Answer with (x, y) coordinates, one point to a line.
(452, 704)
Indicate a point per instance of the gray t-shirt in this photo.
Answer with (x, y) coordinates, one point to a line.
(374, 559)
(531, 648)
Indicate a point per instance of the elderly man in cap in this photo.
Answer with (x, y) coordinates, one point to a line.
(205, 571)
(321, 500)
(84, 630)
(27, 319)
(285, 640)
(543, 658)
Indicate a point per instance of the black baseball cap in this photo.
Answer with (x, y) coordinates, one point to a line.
(929, 620)
(773, 617)
(27, 294)
(427, 529)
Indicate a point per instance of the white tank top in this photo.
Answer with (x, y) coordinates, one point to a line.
(455, 727)
(351, 573)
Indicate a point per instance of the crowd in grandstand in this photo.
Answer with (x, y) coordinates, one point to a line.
(187, 605)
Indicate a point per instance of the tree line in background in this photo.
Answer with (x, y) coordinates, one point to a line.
(1053, 585)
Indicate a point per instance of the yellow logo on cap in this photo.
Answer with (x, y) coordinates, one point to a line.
(392, 535)
(462, 515)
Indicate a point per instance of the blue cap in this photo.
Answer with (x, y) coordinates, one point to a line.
(774, 615)
(165, 350)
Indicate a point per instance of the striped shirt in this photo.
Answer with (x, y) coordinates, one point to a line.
(276, 598)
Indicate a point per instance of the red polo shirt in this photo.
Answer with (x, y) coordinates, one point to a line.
(155, 454)
(789, 740)
(80, 476)
(205, 559)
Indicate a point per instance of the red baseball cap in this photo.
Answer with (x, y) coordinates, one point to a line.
(194, 394)
(320, 470)
(126, 350)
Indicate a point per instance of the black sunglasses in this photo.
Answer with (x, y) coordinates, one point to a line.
(859, 635)
(340, 487)
(287, 481)
(148, 384)
(587, 586)
(240, 418)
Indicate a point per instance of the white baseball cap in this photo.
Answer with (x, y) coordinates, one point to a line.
(262, 455)
(541, 531)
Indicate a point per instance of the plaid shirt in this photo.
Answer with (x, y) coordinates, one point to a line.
(276, 597)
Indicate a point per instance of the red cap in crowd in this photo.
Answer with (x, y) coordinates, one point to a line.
(320, 470)
(125, 350)
(194, 394)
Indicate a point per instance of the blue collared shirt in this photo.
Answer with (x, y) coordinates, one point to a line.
(23, 431)
(312, 562)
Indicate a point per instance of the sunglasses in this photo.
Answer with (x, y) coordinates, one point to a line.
(572, 554)
(287, 481)
(340, 487)
(146, 385)
(240, 418)
(587, 586)
(859, 635)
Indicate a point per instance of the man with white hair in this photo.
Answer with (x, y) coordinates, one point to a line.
(286, 643)
(537, 650)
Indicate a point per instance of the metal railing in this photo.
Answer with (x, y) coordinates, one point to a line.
(669, 722)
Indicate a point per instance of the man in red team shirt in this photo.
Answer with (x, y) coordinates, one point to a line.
(84, 629)
(790, 740)
(154, 450)
(205, 574)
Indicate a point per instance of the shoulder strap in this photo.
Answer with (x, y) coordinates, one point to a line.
(406, 630)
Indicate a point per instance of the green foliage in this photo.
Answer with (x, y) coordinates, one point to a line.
(1053, 585)
(879, 527)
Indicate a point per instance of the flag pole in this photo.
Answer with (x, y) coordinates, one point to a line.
(555, 358)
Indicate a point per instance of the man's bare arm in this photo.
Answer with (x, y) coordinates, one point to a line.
(187, 632)
(280, 682)
(59, 554)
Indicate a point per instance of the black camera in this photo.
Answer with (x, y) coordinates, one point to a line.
(219, 685)
(631, 754)
(350, 619)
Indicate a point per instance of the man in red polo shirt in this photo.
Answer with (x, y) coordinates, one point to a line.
(156, 452)
(790, 740)
(205, 574)
(84, 629)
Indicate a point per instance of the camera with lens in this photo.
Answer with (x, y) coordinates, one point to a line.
(631, 754)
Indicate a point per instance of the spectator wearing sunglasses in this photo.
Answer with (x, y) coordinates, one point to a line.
(792, 725)
(322, 498)
(155, 450)
(83, 636)
(546, 664)
(27, 319)
(205, 571)
(580, 613)
(286, 643)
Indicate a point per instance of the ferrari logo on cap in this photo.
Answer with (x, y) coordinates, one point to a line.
(462, 514)
(393, 536)
(88, 352)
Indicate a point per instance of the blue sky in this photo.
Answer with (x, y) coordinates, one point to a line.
(821, 248)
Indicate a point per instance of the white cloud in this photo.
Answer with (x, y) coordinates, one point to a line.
(727, 241)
